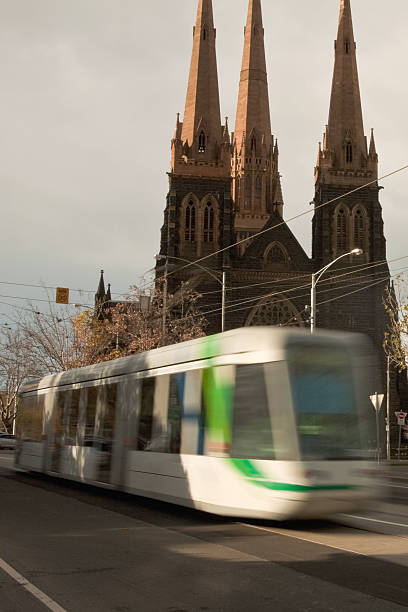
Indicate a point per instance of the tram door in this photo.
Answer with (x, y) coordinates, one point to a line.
(106, 424)
(58, 432)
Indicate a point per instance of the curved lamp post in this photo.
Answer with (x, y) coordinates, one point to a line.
(192, 263)
(315, 279)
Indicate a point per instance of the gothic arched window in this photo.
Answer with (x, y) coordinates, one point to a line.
(253, 143)
(201, 143)
(347, 46)
(258, 183)
(248, 191)
(190, 224)
(349, 153)
(204, 34)
(341, 231)
(275, 257)
(359, 229)
(209, 222)
(275, 312)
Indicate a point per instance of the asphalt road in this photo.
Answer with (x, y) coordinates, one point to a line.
(64, 546)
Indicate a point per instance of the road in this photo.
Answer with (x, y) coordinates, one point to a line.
(64, 546)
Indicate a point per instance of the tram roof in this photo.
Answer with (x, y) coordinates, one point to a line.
(242, 340)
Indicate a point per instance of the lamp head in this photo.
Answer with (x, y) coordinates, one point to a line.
(357, 251)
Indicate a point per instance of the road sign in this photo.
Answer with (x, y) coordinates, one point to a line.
(62, 296)
(401, 416)
(377, 400)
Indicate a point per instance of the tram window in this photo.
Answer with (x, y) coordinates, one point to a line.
(175, 411)
(30, 427)
(109, 415)
(73, 417)
(59, 417)
(146, 413)
(251, 424)
(92, 394)
(325, 404)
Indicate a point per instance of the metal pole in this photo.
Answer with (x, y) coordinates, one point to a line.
(377, 421)
(223, 302)
(313, 305)
(388, 425)
(399, 442)
(164, 298)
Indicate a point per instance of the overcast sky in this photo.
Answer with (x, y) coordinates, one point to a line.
(90, 92)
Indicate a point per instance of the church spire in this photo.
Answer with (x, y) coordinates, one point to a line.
(256, 181)
(345, 142)
(253, 114)
(202, 118)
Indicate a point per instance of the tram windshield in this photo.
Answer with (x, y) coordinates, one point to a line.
(325, 404)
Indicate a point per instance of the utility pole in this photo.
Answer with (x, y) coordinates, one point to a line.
(223, 301)
(388, 425)
(315, 279)
(164, 298)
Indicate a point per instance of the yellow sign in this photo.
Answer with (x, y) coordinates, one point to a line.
(62, 295)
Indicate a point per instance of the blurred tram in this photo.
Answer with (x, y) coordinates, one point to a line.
(257, 422)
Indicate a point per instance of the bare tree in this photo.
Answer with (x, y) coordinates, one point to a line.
(16, 366)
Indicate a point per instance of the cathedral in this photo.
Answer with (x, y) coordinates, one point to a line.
(225, 211)
(225, 208)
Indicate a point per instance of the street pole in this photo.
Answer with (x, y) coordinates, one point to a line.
(377, 421)
(223, 301)
(315, 279)
(388, 425)
(164, 298)
(313, 304)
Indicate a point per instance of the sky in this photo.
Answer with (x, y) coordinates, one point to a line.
(90, 93)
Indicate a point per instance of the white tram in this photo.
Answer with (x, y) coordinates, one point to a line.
(255, 422)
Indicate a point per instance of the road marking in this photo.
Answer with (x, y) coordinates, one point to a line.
(365, 518)
(397, 486)
(303, 538)
(47, 601)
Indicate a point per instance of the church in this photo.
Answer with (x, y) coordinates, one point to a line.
(225, 208)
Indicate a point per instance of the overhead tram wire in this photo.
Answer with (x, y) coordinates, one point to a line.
(268, 229)
(304, 295)
(232, 308)
(291, 289)
(359, 268)
(330, 279)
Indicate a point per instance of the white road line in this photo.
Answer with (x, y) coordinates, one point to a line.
(304, 539)
(373, 520)
(47, 601)
(397, 486)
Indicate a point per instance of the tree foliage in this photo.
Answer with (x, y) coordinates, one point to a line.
(396, 336)
(59, 338)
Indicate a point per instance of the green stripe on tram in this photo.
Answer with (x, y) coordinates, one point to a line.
(218, 398)
(251, 472)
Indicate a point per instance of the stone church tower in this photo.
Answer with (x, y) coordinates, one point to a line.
(345, 163)
(198, 215)
(256, 188)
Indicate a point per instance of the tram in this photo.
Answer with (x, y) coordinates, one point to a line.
(257, 422)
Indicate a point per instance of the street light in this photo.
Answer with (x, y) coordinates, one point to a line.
(315, 279)
(192, 263)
